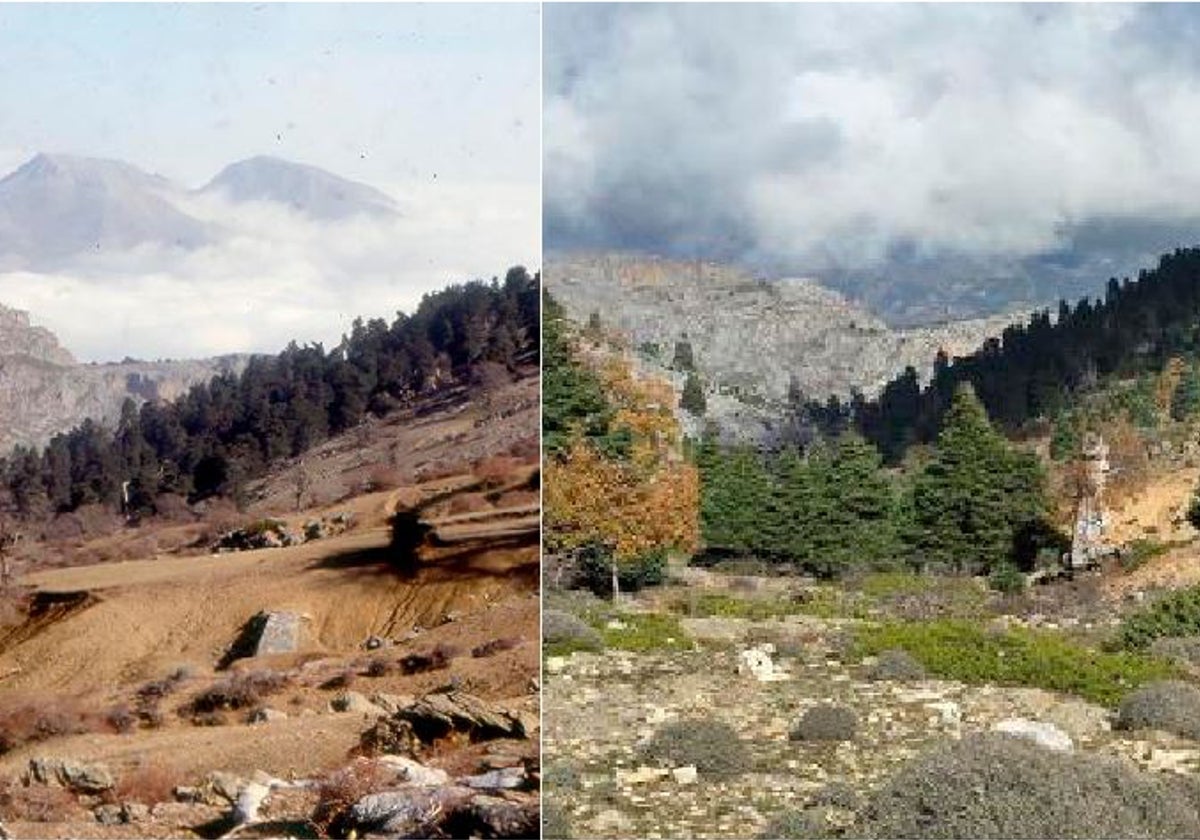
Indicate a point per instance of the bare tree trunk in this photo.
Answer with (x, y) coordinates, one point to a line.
(615, 581)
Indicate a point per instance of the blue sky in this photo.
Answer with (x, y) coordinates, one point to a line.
(380, 93)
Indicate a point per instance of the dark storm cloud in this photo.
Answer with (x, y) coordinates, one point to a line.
(871, 141)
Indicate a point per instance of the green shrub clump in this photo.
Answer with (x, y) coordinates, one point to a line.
(966, 651)
(1176, 614)
(1007, 578)
(712, 747)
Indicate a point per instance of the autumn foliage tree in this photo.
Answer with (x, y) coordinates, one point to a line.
(636, 500)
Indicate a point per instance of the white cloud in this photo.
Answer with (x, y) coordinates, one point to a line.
(825, 137)
(279, 277)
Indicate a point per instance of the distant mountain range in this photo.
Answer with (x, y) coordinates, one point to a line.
(58, 207)
(46, 391)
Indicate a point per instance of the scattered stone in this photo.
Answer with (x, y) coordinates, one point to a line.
(1043, 734)
(641, 776)
(248, 803)
(280, 634)
(505, 778)
(108, 814)
(373, 643)
(414, 772)
(132, 812)
(949, 712)
(685, 775)
(757, 662)
(267, 716)
(353, 702)
(555, 664)
(222, 786)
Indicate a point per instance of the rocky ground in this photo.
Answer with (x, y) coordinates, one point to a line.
(601, 709)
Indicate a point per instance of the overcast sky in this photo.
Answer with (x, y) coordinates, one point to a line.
(822, 139)
(436, 105)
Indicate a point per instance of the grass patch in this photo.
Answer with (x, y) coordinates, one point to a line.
(964, 651)
(607, 628)
(643, 632)
(722, 605)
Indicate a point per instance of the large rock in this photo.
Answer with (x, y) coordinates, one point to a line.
(78, 776)
(437, 715)
(1043, 734)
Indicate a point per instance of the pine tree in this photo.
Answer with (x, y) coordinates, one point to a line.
(971, 501)
(692, 399)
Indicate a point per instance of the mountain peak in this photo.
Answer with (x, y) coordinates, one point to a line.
(306, 189)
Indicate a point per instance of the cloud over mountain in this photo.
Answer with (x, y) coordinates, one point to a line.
(991, 145)
(286, 252)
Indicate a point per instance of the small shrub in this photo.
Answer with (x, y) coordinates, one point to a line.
(563, 633)
(825, 723)
(712, 747)
(992, 785)
(1135, 555)
(342, 679)
(1007, 579)
(379, 666)
(434, 660)
(148, 784)
(493, 647)
(31, 722)
(244, 691)
(121, 719)
(1184, 650)
(555, 825)
(797, 825)
(1175, 614)
(896, 666)
(338, 791)
(36, 803)
(1170, 705)
(594, 564)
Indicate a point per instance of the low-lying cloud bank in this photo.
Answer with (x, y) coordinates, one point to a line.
(275, 277)
(1006, 142)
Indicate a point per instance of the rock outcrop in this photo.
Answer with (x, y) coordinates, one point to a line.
(754, 335)
(46, 391)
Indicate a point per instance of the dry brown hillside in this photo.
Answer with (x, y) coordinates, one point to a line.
(133, 700)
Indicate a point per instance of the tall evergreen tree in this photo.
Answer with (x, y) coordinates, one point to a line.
(976, 496)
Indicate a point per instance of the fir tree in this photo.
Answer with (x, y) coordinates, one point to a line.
(971, 501)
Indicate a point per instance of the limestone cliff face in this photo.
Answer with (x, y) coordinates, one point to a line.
(750, 334)
(44, 391)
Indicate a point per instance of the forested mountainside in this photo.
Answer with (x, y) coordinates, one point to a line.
(1038, 368)
(226, 431)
